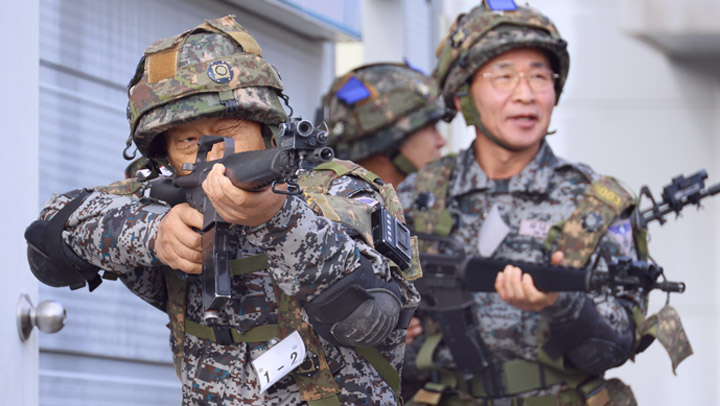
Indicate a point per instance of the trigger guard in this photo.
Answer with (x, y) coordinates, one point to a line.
(293, 188)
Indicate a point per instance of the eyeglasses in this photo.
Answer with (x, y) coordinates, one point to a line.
(507, 79)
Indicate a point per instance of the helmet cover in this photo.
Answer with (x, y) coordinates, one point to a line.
(484, 33)
(373, 108)
(213, 70)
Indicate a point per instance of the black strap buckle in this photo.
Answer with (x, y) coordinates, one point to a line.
(493, 380)
(223, 335)
(310, 366)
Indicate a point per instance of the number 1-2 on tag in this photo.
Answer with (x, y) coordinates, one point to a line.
(279, 360)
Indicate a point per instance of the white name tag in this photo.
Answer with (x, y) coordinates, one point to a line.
(279, 360)
(534, 228)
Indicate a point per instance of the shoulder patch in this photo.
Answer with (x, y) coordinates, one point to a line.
(621, 231)
(123, 187)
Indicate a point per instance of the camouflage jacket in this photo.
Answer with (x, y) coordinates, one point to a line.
(306, 254)
(544, 193)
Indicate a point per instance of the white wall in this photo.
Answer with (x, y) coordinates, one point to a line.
(18, 113)
(630, 111)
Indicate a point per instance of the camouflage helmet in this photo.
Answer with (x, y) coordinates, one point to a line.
(214, 70)
(486, 32)
(373, 108)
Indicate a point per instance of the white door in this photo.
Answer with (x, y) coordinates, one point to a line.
(18, 118)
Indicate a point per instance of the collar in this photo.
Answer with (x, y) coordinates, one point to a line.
(534, 178)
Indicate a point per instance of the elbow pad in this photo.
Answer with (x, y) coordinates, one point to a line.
(358, 310)
(588, 343)
(51, 260)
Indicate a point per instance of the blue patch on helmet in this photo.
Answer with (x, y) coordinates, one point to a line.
(220, 72)
(353, 91)
(502, 5)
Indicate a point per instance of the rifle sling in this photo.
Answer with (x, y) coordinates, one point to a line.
(242, 266)
(382, 366)
(228, 335)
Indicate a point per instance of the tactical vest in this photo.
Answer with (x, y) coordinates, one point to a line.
(313, 378)
(351, 213)
(605, 200)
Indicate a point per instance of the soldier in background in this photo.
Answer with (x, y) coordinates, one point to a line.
(382, 116)
(292, 269)
(508, 196)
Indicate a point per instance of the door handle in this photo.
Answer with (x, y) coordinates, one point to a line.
(48, 316)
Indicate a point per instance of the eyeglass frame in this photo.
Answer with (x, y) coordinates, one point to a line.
(554, 76)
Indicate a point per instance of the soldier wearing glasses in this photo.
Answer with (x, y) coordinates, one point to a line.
(508, 196)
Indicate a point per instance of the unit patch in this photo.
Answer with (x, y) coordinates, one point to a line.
(220, 72)
(592, 221)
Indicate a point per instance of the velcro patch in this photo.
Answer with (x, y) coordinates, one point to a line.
(353, 91)
(502, 5)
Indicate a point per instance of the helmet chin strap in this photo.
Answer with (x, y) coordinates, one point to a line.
(472, 118)
(402, 163)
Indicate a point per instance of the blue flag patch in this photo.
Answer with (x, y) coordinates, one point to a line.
(353, 91)
(621, 232)
(502, 5)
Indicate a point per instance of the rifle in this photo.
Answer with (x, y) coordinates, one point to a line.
(477, 274)
(301, 147)
(678, 194)
(449, 279)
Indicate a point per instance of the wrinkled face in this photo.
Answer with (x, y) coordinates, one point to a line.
(423, 146)
(181, 141)
(518, 116)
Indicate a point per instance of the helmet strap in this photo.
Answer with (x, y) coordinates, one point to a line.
(472, 117)
(271, 135)
(402, 163)
(286, 99)
(126, 151)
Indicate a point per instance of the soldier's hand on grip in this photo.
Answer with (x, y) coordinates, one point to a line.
(177, 244)
(239, 206)
(518, 289)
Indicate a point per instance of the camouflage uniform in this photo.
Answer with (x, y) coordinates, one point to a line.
(115, 228)
(306, 254)
(545, 192)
